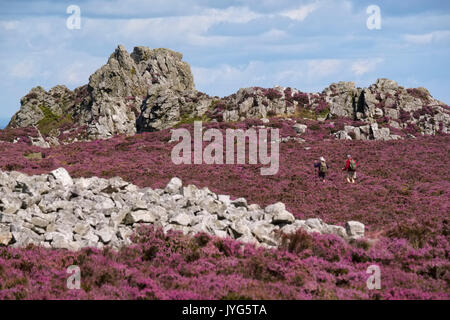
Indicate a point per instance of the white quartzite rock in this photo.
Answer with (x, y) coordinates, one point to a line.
(62, 176)
(174, 185)
(57, 211)
(355, 229)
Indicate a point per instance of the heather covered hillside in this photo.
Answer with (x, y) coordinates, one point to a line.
(173, 266)
(398, 180)
(239, 150)
(120, 125)
(402, 195)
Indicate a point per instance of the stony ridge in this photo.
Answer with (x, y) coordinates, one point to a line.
(149, 90)
(55, 211)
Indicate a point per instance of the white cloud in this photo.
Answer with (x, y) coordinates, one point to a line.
(323, 68)
(230, 14)
(133, 8)
(25, 69)
(419, 38)
(333, 45)
(226, 78)
(9, 25)
(427, 38)
(75, 74)
(364, 66)
(190, 29)
(302, 12)
(300, 74)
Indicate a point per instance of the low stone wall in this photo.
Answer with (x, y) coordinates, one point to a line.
(55, 211)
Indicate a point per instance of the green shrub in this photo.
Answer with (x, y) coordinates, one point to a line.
(191, 120)
(51, 121)
(33, 155)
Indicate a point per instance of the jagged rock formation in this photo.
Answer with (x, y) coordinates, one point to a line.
(397, 106)
(56, 211)
(142, 91)
(34, 106)
(400, 107)
(151, 90)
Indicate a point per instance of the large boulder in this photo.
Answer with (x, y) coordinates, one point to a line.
(174, 186)
(62, 176)
(355, 229)
(5, 235)
(300, 128)
(279, 213)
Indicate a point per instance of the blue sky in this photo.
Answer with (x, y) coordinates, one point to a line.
(229, 44)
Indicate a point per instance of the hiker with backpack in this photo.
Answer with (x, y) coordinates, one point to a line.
(322, 168)
(350, 167)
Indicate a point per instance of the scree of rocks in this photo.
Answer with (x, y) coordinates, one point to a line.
(55, 211)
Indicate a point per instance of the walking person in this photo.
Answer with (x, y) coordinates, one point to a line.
(322, 168)
(350, 167)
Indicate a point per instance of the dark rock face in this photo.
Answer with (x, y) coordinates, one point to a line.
(150, 90)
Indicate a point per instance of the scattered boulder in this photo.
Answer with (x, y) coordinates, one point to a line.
(240, 202)
(10, 204)
(300, 128)
(354, 229)
(181, 219)
(5, 235)
(275, 208)
(283, 217)
(140, 216)
(105, 234)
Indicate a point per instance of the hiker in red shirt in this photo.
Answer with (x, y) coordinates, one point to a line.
(350, 167)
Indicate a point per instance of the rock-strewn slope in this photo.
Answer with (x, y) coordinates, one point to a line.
(54, 210)
(151, 90)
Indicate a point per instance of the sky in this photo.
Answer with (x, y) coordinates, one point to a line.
(229, 44)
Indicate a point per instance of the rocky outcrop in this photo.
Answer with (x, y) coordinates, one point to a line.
(143, 91)
(398, 106)
(38, 105)
(56, 211)
(366, 132)
(149, 90)
(256, 103)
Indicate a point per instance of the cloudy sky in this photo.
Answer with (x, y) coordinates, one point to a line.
(229, 43)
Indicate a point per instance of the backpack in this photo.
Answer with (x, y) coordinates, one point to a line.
(352, 165)
(323, 167)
